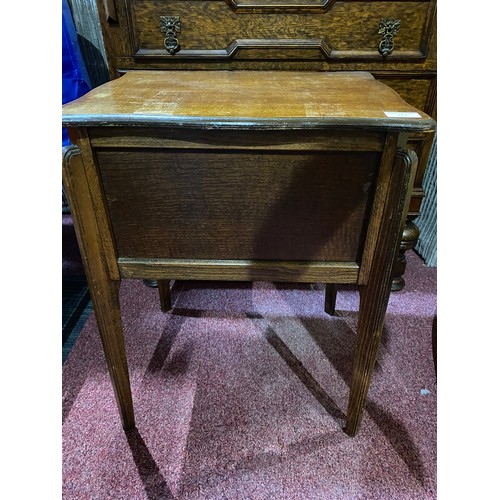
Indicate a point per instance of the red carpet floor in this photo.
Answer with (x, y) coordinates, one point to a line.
(241, 393)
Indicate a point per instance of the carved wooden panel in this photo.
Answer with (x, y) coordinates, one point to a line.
(211, 29)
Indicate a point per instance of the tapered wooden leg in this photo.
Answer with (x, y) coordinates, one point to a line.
(165, 295)
(371, 320)
(374, 296)
(108, 316)
(330, 298)
(103, 289)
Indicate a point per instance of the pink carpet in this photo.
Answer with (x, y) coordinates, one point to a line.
(241, 393)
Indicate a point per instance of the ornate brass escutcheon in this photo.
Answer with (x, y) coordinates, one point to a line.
(388, 28)
(170, 25)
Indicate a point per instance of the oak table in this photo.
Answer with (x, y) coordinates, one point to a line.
(241, 175)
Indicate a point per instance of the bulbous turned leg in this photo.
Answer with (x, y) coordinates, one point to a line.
(409, 239)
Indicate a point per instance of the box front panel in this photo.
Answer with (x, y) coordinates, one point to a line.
(185, 204)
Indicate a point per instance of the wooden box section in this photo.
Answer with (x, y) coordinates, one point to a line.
(239, 205)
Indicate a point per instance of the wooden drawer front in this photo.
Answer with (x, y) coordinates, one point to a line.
(238, 205)
(216, 29)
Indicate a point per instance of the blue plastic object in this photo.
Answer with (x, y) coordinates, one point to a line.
(75, 80)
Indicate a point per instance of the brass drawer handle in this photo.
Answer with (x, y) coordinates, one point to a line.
(388, 28)
(170, 25)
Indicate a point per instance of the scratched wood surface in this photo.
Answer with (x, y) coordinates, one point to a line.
(211, 97)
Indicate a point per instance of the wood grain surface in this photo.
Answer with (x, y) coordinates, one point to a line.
(245, 99)
(242, 205)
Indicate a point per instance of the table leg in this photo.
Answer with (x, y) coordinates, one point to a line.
(374, 296)
(104, 290)
(165, 295)
(330, 298)
(371, 321)
(108, 316)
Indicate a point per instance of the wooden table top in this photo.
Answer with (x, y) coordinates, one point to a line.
(241, 99)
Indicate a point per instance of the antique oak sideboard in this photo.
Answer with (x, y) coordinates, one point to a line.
(241, 175)
(393, 40)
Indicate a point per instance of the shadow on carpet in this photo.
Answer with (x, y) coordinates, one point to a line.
(241, 392)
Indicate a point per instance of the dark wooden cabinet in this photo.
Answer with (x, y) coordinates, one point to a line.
(393, 40)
